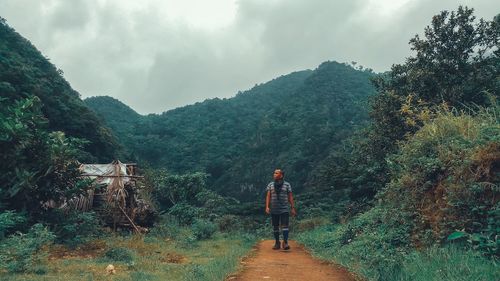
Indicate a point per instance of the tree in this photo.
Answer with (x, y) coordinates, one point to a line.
(456, 62)
(36, 166)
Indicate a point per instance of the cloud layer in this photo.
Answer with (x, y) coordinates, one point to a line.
(164, 54)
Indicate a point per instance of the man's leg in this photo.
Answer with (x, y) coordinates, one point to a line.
(275, 219)
(284, 218)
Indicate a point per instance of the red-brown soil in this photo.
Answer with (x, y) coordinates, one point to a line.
(294, 264)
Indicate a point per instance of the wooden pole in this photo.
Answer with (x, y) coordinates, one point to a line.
(130, 220)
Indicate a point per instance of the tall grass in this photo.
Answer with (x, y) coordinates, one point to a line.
(149, 258)
(448, 263)
(219, 269)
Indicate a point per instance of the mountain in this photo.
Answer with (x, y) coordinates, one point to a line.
(25, 72)
(118, 116)
(292, 122)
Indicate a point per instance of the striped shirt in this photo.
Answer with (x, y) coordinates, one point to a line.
(279, 204)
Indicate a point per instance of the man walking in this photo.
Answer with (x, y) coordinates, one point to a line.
(279, 195)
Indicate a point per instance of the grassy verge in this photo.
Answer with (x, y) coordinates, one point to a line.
(145, 258)
(364, 256)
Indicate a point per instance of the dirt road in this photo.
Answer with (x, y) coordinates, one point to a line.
(295, 264)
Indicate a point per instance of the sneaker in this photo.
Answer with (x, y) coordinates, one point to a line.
(276, 246)
(285, 246)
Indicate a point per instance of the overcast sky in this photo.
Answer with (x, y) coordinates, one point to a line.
(156, 55)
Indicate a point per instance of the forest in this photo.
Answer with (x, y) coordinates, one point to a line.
(396, 175)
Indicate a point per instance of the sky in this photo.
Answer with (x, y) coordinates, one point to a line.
(155, 55)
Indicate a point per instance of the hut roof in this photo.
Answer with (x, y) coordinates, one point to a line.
(106, 173)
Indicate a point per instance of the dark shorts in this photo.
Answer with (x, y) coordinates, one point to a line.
(281, 219)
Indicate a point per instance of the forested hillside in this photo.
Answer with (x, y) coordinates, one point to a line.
(121, 118)
(25, 72)
(292, 122)
(45, 128)
(396, 175)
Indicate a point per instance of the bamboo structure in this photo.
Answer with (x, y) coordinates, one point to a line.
(113, 195)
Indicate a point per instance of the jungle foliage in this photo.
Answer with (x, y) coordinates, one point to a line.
(45, 129)
(291, 122)
(25, 73)
(37, 165)
(456, 63)
(396, 179)
(434, 156)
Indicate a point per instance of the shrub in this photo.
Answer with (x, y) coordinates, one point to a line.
(74, 227)
(229, 223)
(486, 241)
(184, 213)
(203, 229)
(167, 226)
(446, 175)
(9, 220)
(24, 252)
(189, 241)
(310, 224)
(120, 254)
(373, 243)
(170, 189)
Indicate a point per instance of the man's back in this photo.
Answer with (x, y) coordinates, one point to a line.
(279, 197)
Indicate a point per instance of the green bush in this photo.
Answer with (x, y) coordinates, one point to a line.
(445, 174)
(371, 254)
(167, 226)
(170, 189)
(9, 220)
(373, 243)
(486, 241)
(36, 165)
(24, 252)
(229, 223)
(73, 228)
(120, 254)
(184, 213)
(442, 182)
(310, 223)
(189, 241)
(203, 229)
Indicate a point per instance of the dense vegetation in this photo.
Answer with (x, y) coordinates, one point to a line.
(398, 179)
(434, 157)
(293, 122)
(45, 129)
(45, 132)
(25, 72)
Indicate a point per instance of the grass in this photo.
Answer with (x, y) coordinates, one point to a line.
(146, 258)
(217, 269)
(447, 263)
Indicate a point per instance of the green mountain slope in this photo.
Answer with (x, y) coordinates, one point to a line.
(291, 122)
(24, 72)
(117, 115)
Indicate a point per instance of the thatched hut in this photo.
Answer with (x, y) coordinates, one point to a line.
(114, 195)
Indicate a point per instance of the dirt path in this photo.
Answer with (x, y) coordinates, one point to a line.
(295, 264)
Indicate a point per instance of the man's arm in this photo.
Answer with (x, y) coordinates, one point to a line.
(292, 203)
(268, 200)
